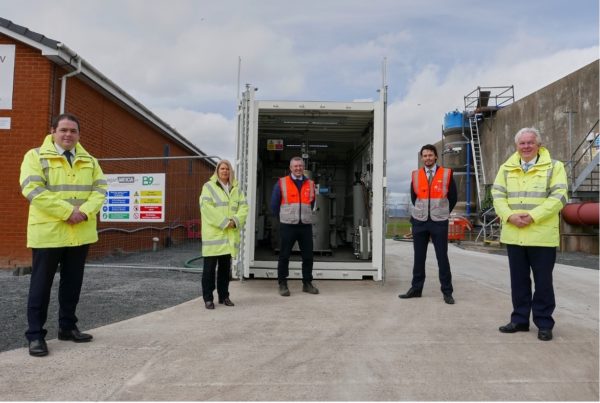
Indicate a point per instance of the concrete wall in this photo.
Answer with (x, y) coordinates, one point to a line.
(544, 109)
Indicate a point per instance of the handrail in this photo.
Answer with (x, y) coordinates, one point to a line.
(487, 225)
(471, 100)
(586, 136)
(574, 163)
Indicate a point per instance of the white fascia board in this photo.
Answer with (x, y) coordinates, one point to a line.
(316, 105)
(46, 51)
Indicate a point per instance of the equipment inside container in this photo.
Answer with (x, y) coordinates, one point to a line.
(336, 147)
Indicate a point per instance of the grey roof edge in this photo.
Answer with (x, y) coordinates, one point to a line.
(71, 58)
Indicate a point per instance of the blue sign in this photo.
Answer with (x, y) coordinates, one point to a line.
(122, 193)
(118, 208)
(118, 201)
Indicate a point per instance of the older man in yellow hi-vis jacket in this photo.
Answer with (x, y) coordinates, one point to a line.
(529, 192)
(65, 188)
(223, 209)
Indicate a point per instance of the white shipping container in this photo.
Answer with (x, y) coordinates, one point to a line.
(343, 147)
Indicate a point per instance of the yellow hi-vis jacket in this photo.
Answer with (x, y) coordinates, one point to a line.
(216, 209)
(53, 188)
(541, 192)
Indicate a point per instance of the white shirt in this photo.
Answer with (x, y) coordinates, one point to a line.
(61, 151)
(225, 186)
(432, 170)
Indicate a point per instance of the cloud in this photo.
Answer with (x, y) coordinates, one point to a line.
(180, 58)
(416, 118)
(213, 133)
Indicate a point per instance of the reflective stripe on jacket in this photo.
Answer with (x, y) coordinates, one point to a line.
(53, 188)
(541, 192)
(432, 200)
(216, 209)
(296, 206)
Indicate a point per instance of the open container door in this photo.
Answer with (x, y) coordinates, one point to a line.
(379, 183)
(246, 148)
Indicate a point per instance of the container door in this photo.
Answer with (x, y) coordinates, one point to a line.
(242, 166)
(379, 183)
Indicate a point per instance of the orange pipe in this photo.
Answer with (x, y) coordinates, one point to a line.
(586, 213)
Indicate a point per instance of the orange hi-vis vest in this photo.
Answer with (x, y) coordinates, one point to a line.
(296, 206)
(432, 200)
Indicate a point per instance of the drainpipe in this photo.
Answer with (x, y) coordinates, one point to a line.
(63, 85)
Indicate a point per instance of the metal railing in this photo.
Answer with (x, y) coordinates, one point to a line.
(480, 95)
(490, 231)
(578, 173)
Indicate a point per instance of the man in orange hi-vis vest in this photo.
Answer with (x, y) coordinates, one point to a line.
(291, 201)
(433, 195)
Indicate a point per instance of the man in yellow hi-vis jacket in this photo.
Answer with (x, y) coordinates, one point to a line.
(66, 188)
(529, 192)
(223, 210)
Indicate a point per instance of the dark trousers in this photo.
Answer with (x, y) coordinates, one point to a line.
(44, 264)
(438, 232)
(223, 274)
(290, 233)
(522, 261)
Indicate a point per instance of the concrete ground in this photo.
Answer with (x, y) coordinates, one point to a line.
(354, 341)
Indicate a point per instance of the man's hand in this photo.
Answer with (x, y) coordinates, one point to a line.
(520, 219)
(76, 216)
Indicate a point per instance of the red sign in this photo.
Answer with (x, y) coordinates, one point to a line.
(151, 208)
(150, 216)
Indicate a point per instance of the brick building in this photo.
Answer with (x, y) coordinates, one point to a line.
(113, 125)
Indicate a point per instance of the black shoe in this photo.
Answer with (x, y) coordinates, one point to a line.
(284, 291)
(74, 335)
(226, 302)
(514, 327)
(309, 288)
(412, 293)
(545, 334)
(448, 299)
(209, 304)
(38, 348)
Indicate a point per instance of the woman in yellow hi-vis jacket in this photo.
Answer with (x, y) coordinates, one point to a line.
(223, 210)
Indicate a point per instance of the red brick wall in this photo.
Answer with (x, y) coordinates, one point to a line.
(108, 130)
(30, 120)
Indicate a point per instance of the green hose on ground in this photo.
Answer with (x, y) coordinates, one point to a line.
(189, 264)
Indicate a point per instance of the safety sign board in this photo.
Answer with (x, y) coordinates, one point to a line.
(134, 198)
(275, 145)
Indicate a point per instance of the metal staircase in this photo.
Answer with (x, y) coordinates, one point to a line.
(583, 168)
(490, 230)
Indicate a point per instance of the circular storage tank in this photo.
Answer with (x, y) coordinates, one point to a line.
(454, 122)
(454, 156)
(454, 152)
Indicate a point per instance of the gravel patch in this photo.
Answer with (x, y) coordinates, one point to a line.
(108, 295)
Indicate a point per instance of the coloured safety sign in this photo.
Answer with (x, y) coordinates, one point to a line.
(134, 198)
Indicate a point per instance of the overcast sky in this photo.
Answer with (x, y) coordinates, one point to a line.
(180, 57)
